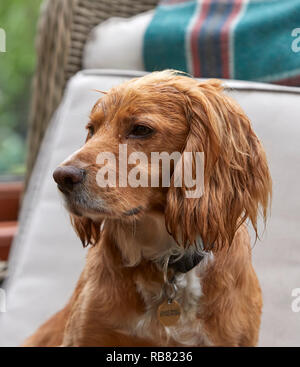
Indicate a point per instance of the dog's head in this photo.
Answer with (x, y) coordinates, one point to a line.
(171, 113)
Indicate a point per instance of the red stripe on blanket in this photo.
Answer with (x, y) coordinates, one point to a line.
(194, 38)
(225, 39)
(292, 81)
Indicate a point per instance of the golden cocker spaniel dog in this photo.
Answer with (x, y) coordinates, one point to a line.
(164, 269)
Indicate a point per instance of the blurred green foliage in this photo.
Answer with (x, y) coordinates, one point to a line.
(18, 18)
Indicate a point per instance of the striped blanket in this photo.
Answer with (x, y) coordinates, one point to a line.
(255, 40)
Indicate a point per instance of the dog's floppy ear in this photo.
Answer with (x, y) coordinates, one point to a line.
(237, 181)
(87, 230)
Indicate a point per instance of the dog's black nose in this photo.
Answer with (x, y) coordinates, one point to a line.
(68, 176)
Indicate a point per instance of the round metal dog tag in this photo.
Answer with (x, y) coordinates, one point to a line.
(168, 313)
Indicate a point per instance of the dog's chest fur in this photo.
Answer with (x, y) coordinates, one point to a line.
(188, 329)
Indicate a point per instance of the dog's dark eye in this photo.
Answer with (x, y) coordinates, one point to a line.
(140, 131)
(91, 130)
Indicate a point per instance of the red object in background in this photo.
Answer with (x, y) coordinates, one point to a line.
(10, 194)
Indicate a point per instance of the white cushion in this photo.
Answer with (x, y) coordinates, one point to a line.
(117, 43)
(47, 257)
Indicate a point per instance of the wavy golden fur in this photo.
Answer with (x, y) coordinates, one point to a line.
(117, 295)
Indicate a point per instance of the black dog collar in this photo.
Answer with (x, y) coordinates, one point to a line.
(186, 262)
